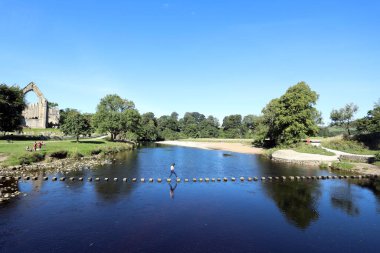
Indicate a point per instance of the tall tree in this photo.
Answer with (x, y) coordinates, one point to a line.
(12, 103)
(344, 116)
(190, 124)
(209, 128)
(63, 113)
(371, 122)
(232, 127)
(149, 127)
(112, 115)
(292, 116)
(76, 124)
(249, 123)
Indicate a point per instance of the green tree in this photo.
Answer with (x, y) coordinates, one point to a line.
(63, 113)
(344, 116)
(113, 115)
(149, 127)
(249, 123)
(12, 103)
(76, 124)
(292, 116)
(190, 124)
(52, 104)
(209, 128)
(167, 126)
(232, 127)
(371, 122)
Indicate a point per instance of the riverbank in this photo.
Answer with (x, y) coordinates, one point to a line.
(226, 146)
(16, 153)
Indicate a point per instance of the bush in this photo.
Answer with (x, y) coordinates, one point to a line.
(76, 155)
(31, 158)
(377, 156)
(114, 150)
(323, 166)
(96, 151)
(59, 154)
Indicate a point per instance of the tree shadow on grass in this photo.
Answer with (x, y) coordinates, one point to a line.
(89, 142)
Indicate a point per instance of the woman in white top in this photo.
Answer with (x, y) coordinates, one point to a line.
(172, 170)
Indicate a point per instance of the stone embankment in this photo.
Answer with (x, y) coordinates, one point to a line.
(361, 161)
(352, 157)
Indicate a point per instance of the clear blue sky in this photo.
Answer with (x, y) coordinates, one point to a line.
(211, 56)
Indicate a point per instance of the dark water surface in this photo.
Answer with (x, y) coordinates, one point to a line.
(306, 216)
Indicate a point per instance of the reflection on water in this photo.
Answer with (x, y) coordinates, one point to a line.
(343, 198)
(374, 186)
(297, 200)
(205, 217)
(172, 189)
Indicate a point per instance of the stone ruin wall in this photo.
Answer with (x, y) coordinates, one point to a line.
(39, 115)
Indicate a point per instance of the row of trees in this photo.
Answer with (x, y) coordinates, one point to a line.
(284, 120)
(121, 119)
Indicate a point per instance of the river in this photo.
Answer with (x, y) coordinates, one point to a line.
(336, 215)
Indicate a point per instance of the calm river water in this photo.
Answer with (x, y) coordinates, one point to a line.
(306, 216)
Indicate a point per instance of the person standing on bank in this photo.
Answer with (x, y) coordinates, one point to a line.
(172, 171)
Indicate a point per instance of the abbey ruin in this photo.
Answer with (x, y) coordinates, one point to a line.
(39, 115)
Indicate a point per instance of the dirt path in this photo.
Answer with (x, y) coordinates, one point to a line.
(233, 147)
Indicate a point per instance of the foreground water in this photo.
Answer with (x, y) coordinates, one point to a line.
(314, 216)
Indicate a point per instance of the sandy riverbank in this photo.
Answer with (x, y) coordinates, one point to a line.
(233, 147)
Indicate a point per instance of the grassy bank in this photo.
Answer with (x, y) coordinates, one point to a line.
(310, 149)
(349, 146)
(16, 154)
(342, 165)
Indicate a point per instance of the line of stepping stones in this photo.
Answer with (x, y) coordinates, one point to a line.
(224, 179)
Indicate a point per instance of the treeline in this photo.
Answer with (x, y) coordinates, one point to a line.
(120, 118)
(283, 121)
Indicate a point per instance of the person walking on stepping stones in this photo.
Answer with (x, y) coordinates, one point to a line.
(172, 171)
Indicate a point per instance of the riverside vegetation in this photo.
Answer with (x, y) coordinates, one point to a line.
(284, 122)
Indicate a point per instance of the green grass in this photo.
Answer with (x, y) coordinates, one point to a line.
(42, 131)
(15, 150)
(342, 165)
(348, 146)
(310, 149)
(377, 163)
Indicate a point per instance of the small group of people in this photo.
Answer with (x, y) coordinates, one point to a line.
(36, 146)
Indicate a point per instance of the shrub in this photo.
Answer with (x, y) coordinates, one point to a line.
(377, 156)
(76, 155)
(31, 158)
(59, 154)
(96, 151)
(323, 166)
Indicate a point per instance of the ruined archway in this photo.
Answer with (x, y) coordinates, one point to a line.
(39, 115)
